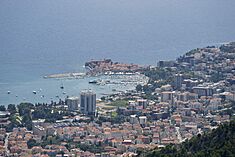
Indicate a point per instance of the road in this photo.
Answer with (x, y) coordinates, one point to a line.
(6, 145)
(178, 134)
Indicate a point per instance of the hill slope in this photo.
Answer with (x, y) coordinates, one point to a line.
(219, 142)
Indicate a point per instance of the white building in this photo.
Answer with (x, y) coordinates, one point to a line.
(203, 91)
(142, 102)
(133, 119)
(72, 103)
(186, 96)
(167, 97)
(143, 120)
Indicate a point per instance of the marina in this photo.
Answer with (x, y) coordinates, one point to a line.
(46, 90)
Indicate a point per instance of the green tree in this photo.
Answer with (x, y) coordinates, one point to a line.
(138, 88)
(11, 108)
(24, 107)
(219, 142)
(2, 108)
(31, 143)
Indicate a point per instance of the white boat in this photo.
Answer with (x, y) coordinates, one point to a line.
(8, 92)
(34, 92)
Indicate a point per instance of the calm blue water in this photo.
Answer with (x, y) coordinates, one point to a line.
(43, 37)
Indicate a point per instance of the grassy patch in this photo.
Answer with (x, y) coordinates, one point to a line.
(114, 114)
(119, 103)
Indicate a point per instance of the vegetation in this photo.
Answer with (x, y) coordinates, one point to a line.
(114, 118)
(49, 140)
(31, 143)
(219, 142)
(11, 108)
(92, 148)
(215, 77)
(23, 114)
(159, 74)
(228, 48)
(157, 78)
(43, 111)
(2, 108)
(119, 103)
(192, 52)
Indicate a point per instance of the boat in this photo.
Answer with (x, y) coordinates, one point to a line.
(93, 81)
(64, 92)
(34, 92)
(62, 87)
(102, 83)
(8, 92)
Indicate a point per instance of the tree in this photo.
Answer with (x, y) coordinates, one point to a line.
(102, 98)
(16, 120)
(31, 143)
(24, 108)
(25, 112)
(11, 108)
(138, 88)
(218, 142)
(2, 108)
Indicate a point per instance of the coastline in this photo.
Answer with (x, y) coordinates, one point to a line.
(50, 85)
(48, 89)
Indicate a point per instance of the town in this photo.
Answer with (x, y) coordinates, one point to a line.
(183, 98)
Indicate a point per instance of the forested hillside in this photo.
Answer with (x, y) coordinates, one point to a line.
(219, 142)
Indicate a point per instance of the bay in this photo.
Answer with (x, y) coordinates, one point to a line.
(44, 37)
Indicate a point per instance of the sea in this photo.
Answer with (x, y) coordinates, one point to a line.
(43, 37)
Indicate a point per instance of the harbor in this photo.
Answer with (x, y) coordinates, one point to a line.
(54, 88)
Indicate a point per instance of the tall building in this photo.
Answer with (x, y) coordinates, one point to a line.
(203, 91)
(142, 102)
(72, 103)
(178, 80)
(133, 119)
(142, 120)
(88, 102)
(167, 97)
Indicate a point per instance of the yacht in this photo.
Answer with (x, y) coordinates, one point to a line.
(93, 81)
